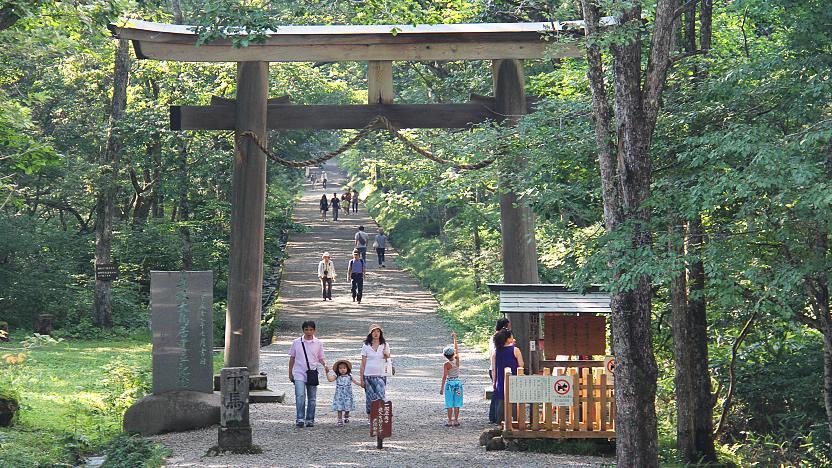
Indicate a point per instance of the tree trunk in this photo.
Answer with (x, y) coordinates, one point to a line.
(694, 402)
(702, 448)
(705, 24)
(636, 109)
(105, 204)
(519, 248)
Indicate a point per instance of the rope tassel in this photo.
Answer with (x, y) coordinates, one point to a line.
(375, 122)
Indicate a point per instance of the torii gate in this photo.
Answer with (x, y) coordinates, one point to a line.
(505, 44)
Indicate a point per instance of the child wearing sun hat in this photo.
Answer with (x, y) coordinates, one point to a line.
(451, 385)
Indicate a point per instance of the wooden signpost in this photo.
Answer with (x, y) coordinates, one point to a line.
(381, 421)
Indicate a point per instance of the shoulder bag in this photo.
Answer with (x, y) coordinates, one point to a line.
(311, 375)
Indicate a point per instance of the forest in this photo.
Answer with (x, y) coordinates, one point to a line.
(695, 186)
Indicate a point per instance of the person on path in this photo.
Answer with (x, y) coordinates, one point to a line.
(345, 203)
(451, 385)
(361, 240)
(505, 356)
(374, 356)
(305, 354)
(323, 179)
(326, 273)
(335, 204)
(503, 323)
(355, 201)
(343, 401)
(348, 199)
(380, 244)
(355, 273)
(324, 204)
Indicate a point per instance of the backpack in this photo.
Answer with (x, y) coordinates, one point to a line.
(362, 240)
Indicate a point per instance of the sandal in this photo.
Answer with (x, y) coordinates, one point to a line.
(447, 424)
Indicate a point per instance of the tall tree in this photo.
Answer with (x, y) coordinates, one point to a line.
(626, 173)
(104, 208)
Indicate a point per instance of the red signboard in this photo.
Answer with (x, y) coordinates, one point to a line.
(571, 335)
(381, 419)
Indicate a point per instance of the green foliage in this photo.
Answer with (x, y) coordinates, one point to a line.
(128, 451)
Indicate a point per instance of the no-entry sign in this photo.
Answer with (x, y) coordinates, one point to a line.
(563, 391)
(609, 368)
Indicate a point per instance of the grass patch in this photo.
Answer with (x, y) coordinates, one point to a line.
(73, 396)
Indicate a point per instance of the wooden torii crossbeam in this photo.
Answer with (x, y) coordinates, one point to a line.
(505, 44)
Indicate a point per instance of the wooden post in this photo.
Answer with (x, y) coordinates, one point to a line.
(516, 220)
(248, 204)
(380, 82)
(547, 408)
(521, 407)
(576, 400)
(508, 414)
(602, 396)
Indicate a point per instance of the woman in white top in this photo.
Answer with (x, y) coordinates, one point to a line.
(326, 273)
(374, 356)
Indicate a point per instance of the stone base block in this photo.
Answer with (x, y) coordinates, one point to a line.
(234, 438)
(266, 396)
(172, 412)
(255, 382)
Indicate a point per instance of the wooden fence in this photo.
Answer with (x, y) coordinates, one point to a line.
(591, 414)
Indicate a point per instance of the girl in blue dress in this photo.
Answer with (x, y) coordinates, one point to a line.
(343, 401)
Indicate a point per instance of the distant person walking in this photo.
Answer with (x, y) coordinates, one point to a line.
(335, 204)
(326, 273)
(323, 179)
(305, 355)
(355, 274)
(361, 240)
(355, 201)
(324, 204)
(451, 386)
(345, 202)
(348, 199)
(380, 244)
(374, 356)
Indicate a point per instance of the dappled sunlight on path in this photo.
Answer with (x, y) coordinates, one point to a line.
(393, 299)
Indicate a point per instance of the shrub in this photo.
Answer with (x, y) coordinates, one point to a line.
(126, 451)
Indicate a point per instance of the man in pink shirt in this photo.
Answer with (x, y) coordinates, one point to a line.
(306, 353)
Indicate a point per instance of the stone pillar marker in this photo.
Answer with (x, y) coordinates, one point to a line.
(235, 431)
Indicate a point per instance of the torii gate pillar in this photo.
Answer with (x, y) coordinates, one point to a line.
(516, 220)
(248, 206)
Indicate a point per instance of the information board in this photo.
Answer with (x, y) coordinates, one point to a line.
(569, 335)
(381, 419)
(106, 271)
(609, 368)
(554, 389)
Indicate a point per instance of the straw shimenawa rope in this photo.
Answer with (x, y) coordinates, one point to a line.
(374, 123)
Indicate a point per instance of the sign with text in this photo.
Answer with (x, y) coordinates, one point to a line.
(569, 335)
(106, 271)
(181, 306)
(554, 389)
(381, 419)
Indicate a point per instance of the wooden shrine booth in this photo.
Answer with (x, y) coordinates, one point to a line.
(252, 112)
(569, 394)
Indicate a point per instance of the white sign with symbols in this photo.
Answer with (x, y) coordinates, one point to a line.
(554, 389)
(563, 390)
(609, 368)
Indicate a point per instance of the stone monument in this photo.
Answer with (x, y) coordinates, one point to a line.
(235, 431)
(182, 326)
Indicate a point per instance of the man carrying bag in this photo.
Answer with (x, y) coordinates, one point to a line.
(304, 373)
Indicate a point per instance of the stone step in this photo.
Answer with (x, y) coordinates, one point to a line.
(265, 396)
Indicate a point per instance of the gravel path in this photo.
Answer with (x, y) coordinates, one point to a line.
(416, 336)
